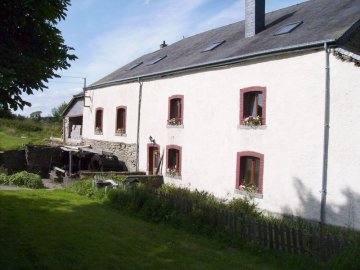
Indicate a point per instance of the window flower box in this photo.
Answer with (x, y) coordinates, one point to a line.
(98, 131)
(173, 172)
(252, 121)
(251, 188)
(174, 122)
(120, 131)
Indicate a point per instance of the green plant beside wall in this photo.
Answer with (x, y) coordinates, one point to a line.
(22, 179)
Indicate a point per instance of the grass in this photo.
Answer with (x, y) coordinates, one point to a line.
(14, 133)
(60, 230)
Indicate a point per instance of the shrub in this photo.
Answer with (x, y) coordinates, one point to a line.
(85, 188)
(4, 179)
(244, 206)
(26, 179)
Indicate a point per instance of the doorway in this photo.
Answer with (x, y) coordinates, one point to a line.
(153, 159)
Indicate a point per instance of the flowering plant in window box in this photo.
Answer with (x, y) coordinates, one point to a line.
(172, 172)
(248, 187)
(174, 121)
(98, 130)
(252, 121)
(120, 131)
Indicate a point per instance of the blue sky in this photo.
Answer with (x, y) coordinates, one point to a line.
(108, 34)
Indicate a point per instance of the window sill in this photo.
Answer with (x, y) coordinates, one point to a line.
(174, 126)
(121, 134)
(251, 194)
(174, 177)
(262, 127)
(98, 133)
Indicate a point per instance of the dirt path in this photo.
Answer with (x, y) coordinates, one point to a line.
(47, 183)
(13, 188)
(51, 185)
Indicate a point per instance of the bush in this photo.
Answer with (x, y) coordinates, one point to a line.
(4, 179)
(85, 188)
(25, 179)
(244, 206)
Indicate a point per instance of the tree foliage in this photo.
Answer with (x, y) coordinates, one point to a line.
(32, 49)
(57, 111)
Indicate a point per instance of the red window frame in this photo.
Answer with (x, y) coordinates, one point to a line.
(97, 119)
(121, 123)
(240, 168)
(178, 158)
(253, 89)
(179, 114)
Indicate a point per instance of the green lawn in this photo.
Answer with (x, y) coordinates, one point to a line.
(11, 142)
(59, 230)
(15, 133)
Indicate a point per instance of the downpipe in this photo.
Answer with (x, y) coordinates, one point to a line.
(326, 136)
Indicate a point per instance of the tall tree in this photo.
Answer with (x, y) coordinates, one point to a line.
(31, 47)
(57, 111)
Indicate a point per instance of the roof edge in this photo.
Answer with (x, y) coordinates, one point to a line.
(217, 63)
(77, 96)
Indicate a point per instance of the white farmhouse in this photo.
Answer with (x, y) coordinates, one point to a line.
(268, 105)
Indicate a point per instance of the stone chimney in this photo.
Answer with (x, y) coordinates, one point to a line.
(163, 45)
(254, 17)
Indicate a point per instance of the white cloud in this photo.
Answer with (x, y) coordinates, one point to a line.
(142, 34)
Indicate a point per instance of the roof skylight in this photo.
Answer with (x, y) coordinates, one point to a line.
(134, 66)
(213, 46)
(156, 60)
(288, 28)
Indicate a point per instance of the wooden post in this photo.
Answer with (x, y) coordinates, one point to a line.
(70, 163)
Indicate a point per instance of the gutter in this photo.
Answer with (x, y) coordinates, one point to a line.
(326, 135)
(218, 63)
(138, 124)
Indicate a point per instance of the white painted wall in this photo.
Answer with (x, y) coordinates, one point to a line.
(109, 98)
(292, 141)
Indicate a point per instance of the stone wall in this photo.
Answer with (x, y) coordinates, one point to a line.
(124, 152)
(13, 161)
(40, 158)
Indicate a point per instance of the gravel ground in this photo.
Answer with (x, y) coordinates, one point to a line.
(12, 188)
(51, 185)
(47, 183)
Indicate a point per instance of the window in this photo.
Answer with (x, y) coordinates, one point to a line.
(120, 128)
(152, 62)
(288, 28)
(99, 121)
(253, 106)
(134, 66)
(213, 46)
(173, 161)
(176, 110)
(250, 171)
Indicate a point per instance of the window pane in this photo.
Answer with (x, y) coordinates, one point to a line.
(253, 104)
(98, 118)
(175, 108)
(173, 159)
(250, 170)
(120, 123)
(257, 172)
(260, 104)
(248, 167)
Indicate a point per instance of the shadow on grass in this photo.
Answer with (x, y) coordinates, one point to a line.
(59, 230)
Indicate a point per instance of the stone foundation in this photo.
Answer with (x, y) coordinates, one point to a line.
(124, 152)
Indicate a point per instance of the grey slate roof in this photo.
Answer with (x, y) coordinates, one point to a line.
(72, 102)
(323, 20)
